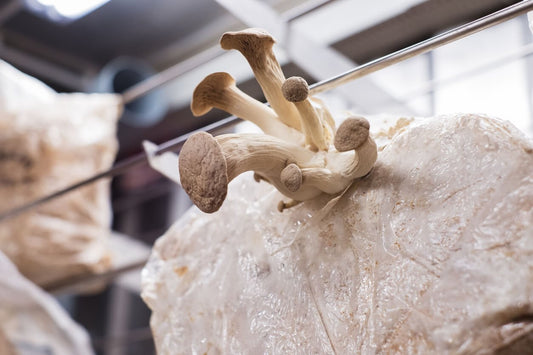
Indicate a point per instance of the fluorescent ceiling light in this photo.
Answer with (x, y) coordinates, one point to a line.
(64, 10)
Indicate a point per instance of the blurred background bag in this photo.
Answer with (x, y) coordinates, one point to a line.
(31, 321)
(49, 141)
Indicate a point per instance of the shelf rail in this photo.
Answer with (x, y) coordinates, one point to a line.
(357, 72)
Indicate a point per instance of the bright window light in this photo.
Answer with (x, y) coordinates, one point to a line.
(64, 10)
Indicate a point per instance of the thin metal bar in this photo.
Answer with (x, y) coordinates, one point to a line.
(115, 170)
(362, 70)
(71, 284)
(425, 46)
(170, 74)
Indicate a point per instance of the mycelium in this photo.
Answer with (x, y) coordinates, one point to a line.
(300, 153)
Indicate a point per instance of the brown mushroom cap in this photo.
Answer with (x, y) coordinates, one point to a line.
(252, 42)
(351, 134)
(209, 91)
(295, 89)
(203, 172)
(291, 177)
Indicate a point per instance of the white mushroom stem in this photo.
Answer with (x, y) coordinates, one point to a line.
(324, 179)
(343, 170)
(296, 90)
(219, 90)
(328, 122)
(331, 179)
(263, 154)
(355, 157)
(269, 158)
(367, 155)
(207, 164)
(256, 46)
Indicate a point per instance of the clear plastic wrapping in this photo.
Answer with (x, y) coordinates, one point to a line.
(430, 253)
(47, 142)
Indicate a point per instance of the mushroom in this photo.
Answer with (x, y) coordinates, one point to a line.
(354, 134)
(256, 46)
(345, 165)
(291, 177)
(207, 164)
(296, 90)
(219, 90)
(300, 166)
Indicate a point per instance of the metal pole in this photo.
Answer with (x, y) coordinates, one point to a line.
(170, 74)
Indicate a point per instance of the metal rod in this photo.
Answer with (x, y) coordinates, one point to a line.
(362, 70)
(428, 87)
(71, 284)
(115, 170)
(170, 74)
(425, 46)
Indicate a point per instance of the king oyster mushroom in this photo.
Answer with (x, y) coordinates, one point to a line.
(300, 164)
(256, 46)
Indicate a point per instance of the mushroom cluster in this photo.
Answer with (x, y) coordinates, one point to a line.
(301, 153)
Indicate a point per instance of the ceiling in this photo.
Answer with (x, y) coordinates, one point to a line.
(136, 28)
(164, 32)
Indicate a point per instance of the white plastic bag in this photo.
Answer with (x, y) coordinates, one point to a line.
(31, 321)
(49, 141)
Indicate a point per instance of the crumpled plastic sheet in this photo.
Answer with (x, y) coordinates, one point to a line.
(432, 253)
(49, 141)
(31, 321)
